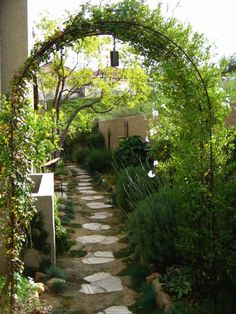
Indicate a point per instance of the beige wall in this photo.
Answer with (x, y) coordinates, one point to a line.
(14, 38)
(116, 129)
(231, 119)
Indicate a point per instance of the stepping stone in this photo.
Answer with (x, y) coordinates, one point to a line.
(98, 205)
(84, 184)
(81, 171)
(83, 176)
(98, 257)
(85, 180)
(61, 195)
(101, 215)
(116, 310)
(100, 283)
(100, 239)
(88, 192)
(96, 226)
(83, 188)
(92, 198)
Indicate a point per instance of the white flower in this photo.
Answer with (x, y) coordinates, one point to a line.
(155, 163)
(146, 139)
(155, 113)
(152, 132)
(226, 104)
(151, 174)
(163, 106)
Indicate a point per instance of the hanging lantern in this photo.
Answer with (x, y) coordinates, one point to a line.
(114, 55)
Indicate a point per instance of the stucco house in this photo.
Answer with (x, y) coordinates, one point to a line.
(14, 39)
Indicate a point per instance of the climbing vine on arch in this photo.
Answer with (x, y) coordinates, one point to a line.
(178, 59)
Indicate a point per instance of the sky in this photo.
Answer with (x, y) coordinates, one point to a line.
(215, 18)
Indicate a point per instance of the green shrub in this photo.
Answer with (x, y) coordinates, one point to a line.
(39, 235)
(78, 253)
(55, 272)
(132, 185)
(160, 150)
(81, 155)
(76, 147)
(58, 287)
(95, 140)
(146, 302)
(61, 235)
(152, 228)
(61, 169)
(62, 239)
(98, 160)
(177, 281)
(131, 151)
(137, 274)
(24, 286)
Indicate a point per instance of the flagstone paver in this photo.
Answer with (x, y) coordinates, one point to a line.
(83, 176)
(95, 226)
(116, 310)
(97, 239)
(88, 192)
(98, 205)
(86, 180)
(92, 197)
(100, 283)
(85, 184)
(84, 188)
(99, 257)
(101, 215)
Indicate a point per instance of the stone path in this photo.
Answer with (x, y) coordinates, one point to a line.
(94, 285)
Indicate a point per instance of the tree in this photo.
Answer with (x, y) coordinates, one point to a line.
(98, 91)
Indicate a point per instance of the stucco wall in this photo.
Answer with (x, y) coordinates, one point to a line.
(116, 129)
(14, 38)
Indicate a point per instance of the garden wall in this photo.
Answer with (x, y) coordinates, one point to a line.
(117, 129)
(44, 194)
(231, 119)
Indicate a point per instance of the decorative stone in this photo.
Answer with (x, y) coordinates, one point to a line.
(61, 195)
(53, 281)
(98, 205)
(101, 215)
(88, 192)
(39, 286)
(116, 310)
(95, 226)
(83, 188)
(84, 184)
(81, 171)
(83, 176)
(86, 180)
(98, 257)
(92, 197)
(100, 283)
(100, 239)
(40, 277)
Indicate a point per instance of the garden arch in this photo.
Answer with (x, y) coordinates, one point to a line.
(158, 47)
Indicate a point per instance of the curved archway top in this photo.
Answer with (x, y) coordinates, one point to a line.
(130, 21)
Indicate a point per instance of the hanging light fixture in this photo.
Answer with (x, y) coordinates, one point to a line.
(114, 55)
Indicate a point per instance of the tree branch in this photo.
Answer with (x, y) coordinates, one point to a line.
(77, 110)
